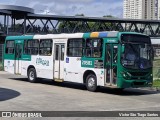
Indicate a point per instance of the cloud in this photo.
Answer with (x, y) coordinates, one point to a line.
(91, 8)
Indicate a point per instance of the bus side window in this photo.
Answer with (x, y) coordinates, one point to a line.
(45, 47)
(31, 47)
(75, 47)
(9, 47)
(94, 47)
(89, 48)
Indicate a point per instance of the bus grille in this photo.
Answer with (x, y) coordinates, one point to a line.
(138, 73)
(139, 83)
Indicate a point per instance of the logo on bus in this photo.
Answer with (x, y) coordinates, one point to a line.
(40, 61)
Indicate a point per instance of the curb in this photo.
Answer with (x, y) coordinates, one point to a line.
(3, 72)
(155, 88)
(152, 88)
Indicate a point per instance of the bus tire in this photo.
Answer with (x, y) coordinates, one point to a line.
(32, 76)
(91, 83)
(120, 89)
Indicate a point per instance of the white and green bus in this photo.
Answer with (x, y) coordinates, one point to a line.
(110, 59)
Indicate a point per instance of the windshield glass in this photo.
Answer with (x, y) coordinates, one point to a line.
(137, 51)
(134, 38)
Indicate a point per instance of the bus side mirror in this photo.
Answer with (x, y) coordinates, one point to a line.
(123, 48)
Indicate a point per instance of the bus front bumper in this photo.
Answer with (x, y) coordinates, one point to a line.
(134, 83)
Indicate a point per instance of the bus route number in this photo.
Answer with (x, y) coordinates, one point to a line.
(86, 62)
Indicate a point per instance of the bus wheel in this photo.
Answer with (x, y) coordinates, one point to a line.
(91, 82)
(119, 89)
(32, 75)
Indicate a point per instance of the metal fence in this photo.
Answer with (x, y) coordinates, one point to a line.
(1, 56)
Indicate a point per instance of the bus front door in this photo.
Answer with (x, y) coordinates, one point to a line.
(18, 56)
(59, 62)
(111, 64)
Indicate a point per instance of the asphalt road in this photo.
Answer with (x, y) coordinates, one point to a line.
(17, 94)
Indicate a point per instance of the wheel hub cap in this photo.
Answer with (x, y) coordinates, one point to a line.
(31, 75)
(91, 82)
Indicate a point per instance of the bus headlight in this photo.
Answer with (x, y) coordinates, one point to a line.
(126, 75)
(150, 76)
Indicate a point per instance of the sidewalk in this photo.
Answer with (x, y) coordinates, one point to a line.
(3, 72)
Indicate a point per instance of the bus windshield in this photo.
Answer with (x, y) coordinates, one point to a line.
(137, 55)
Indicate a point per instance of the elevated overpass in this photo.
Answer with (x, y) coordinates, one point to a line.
(18, 20)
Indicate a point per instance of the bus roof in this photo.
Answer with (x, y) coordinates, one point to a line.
(59, 36)
(100, 34)
(70, 35)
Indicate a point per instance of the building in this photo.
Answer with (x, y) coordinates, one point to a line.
(141, 9)
(158, 11)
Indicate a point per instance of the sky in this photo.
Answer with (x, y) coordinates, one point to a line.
(90, 8)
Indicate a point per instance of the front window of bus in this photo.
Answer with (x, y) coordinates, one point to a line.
(137, 52)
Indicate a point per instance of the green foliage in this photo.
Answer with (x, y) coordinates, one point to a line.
(156, 83)
(156, 68)
(83, 27)
(157, 74)
(1, 66)
(108, 16)
(18, 26)
(79, 14)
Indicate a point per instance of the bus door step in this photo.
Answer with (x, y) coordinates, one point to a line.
(110, 86)
(17, 74)
(58, 80)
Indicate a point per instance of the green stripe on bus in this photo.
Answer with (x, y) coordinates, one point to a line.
(18, 40)
(86, 35)
(19, 37)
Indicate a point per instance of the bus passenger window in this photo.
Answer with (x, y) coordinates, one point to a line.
(75, 47)
(10, 47)
(94, 47)
(31, 47)
(89, 48)
(45, 47)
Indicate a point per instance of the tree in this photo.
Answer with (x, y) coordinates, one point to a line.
(109, 16)
(79, 26)
(67, 26)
